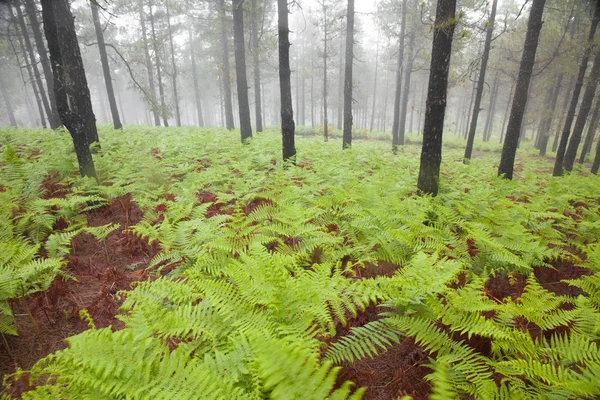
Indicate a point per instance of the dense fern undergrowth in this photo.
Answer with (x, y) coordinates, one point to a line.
(269, 265)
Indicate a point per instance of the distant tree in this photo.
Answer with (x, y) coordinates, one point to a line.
(8, 103)
(431, 154)
(173, 65)
(155, 45)
(255, 14)
(240, 69)
(593, 127)
(398, 94)
(546, 123)
(347, 139)
(149, 66)
(70, 85)
(285, 84)
(513, 131)
(564, 138)
(105, 67)
(480, 85)
(195, 79)
(225, 69)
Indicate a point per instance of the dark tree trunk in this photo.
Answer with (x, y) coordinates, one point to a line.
(105, 68)
(549, 116)
(407, 77)
(240, 69)
(372, 126)
(582, 116)
(31, 10)
(563, 115)
(32, 61)
(589, 139)
(431, 154)
(226, 73)
(509, 150)
(489, 123)
(596, 162)
(347, 140)
(149, 66)
(398, 94)
(480, 85)
(70, 85)
(195, 79)
(9, 109)
(325, 120)
(256, 62)
(174, 66)
(161, 90)
(285, 85)
(564, 138)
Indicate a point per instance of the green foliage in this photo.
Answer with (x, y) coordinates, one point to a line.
(268, 265)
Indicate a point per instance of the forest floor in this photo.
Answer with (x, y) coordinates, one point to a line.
(96, 271)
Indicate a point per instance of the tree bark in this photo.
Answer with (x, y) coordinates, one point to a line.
(509, 150)
(70, 85)
(549, 116)
(431, 154)
(480, 85)
(105, 68)
(195, 79)
(596, 162)
(564, 138)
(240, 70)
(347, 139)
(285, 85)
(582, 116)
(256, 62)
(31, 10)
(173, 65)
(226, 72)
(149, 66)
(398, 94)
(161, 90)
(589, 139)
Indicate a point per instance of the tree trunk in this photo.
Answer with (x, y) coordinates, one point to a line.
(473, 91)
(256, 62)
(398, 94)
(226, 72)
(195, 79)
(105, 67)
(563, 115)
(161, 91)
(407, 77)
(70, 85)
(582, 116)
(431, 154)
(596, 162)
(509, 150)
(31, 10)
(174, 66)
(340, 116)
(589, 139)
(32, 61)
(347, 139)
(480, 85)
(9, 110)
(325, 120)
(240, 70)
(564, 138)
(302, 110)
(412, 109)
(285, 85)
(312, 96)
(549, 116)
(489, 123)
(149, 66)
(372, 126)
(508, 104)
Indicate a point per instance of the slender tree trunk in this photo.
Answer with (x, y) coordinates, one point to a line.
(226, 73)
(256, 62)
(195, 79)
(285, 85)
(568, 97)
(480, 85)
(302, 110)
(70, 85)
(385, 105)
(412, 110)
(9, 109)
(174, 66)
(161, 90)
(325, 120)
(347, 140)
(564, 139)
(407, 77)
(596, 162)
(582, 116)
(469, 111)
(105, 67)
(375, 86)
(489, 123)
(509, 150)
(431, 154)
(549, 116)
(398, 94)
(506, 115)
(149, 66)
(31, 10)
(240, 70)
(589, 139)
(312, 96)
(340, 86)
(33, 62)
